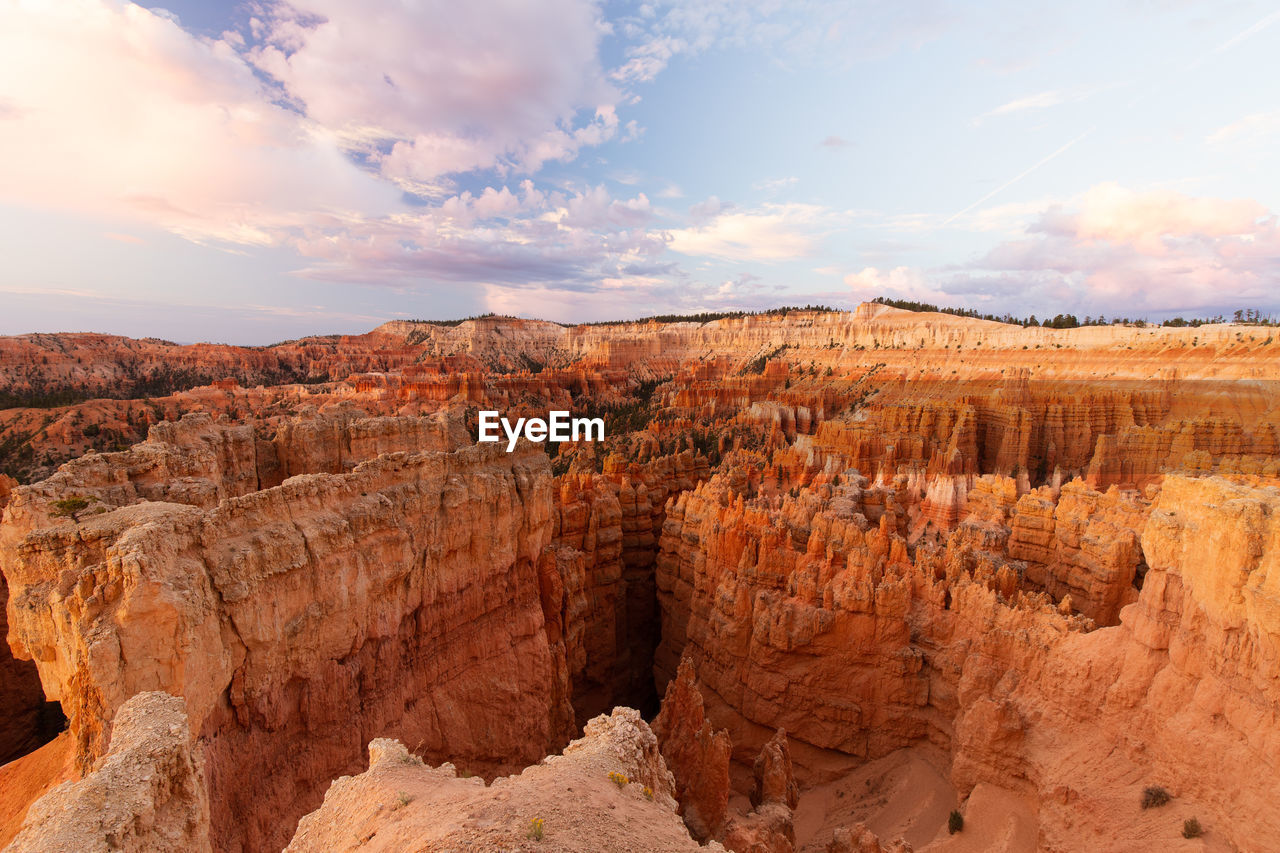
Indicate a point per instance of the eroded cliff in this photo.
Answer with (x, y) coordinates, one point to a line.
(1020, 573)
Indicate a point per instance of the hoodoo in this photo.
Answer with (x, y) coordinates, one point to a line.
(822, 581)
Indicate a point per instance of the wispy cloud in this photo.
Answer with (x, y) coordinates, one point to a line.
(1236, 40)
(773, 185)
(1016, 178)
(1038, 101)
(1043, 100)
(1252, 128)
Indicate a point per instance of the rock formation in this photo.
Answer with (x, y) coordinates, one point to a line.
(697, 755)
(298, 622)
(1028, 571)
(609, 790)
(146, 794)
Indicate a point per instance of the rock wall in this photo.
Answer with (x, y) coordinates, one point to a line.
(145, 795)
(298, 622)
(802, 613)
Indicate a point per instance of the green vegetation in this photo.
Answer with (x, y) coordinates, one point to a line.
(450, 323)
(1250, 316)
(70, 507)
(536, 828)
(1191, 828)
(955, 821)
(757, 365)
(709, 316)
(619, 779)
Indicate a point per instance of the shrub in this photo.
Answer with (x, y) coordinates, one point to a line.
(70, 507)
(648, 792)
(403, 798)
(1154, 797)
(955, 821)
(1191, 828)
(536, 829)
(619, 779)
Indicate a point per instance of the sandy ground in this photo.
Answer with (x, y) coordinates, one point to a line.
(906, 795)
(26, 779)
(903, 795)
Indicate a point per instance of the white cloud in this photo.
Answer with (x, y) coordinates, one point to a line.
(900, 282)
(774, 185)
(118, 112)
(1257, 127)
(448, 87)
(1038, 101)
(772, 232)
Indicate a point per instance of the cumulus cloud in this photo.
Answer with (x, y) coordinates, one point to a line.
(302, 132)
(502, 86)
(772, 232)
(515, 239)
(1111, 250)
(1125, 250)
(118, 112)
(1154, 222)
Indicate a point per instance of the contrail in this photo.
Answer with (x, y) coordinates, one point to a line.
(1237, 39)
(1019, 177)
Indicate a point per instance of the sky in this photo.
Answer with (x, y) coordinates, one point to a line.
(248, 172)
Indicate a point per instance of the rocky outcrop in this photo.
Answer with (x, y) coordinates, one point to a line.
(147, 794)
(608, 791)
(879, 531)
(25, 719)
(297, 622)
(1083, 545)
(769, 827)
(804, 614)
(697, 755)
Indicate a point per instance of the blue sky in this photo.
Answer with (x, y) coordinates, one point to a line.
(254, 171)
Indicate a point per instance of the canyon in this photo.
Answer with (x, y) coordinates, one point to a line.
(831, 581)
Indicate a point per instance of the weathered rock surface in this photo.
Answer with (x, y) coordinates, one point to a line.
(806, 615)
(298, 621)
(608, 791)
(697, 755)
(885, 532)
(146, 795)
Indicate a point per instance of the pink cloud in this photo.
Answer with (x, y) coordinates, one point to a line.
(501, 86)
(118, 112)
(1125, 251)
(1146, 220)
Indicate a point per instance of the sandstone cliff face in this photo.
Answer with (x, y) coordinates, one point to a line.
(697, 755)
(608, 791)
(880, 531)
(24, 719)
(802, 613)
(146, 795)
(300, 621)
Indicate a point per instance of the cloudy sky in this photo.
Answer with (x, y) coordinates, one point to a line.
(252, 171)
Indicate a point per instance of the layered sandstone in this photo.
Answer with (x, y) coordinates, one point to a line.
(908, 538)
(809, 616)
(300, 621)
